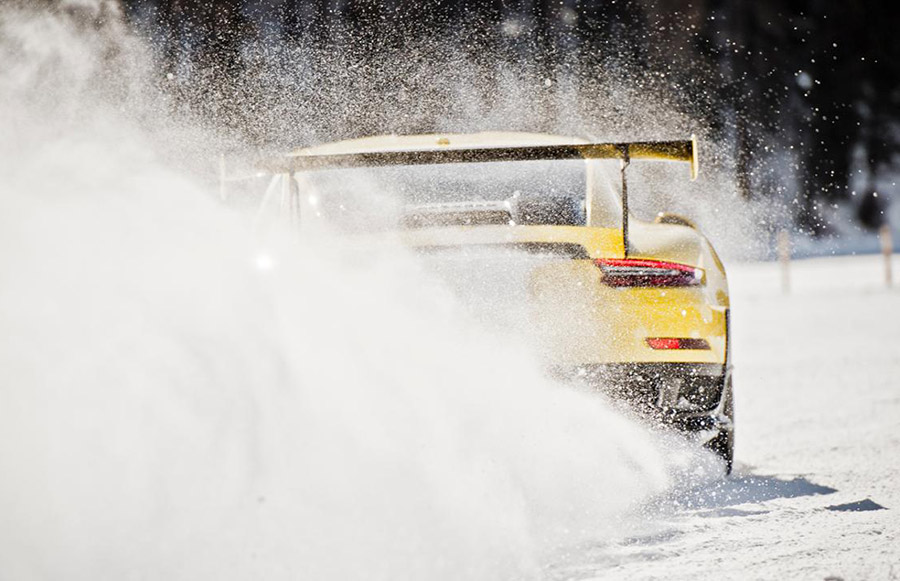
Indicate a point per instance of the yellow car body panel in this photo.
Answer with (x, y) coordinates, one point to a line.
(576, 319)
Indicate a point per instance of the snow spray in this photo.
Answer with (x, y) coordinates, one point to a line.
(180, 399)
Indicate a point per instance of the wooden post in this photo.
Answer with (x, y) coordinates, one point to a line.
(784, 256)
(887, 249)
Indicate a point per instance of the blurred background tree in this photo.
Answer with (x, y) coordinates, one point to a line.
(808, 89)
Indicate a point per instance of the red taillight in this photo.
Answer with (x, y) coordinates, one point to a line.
(623, 272)
(676, 343)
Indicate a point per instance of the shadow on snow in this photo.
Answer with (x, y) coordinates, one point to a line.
(738, 490)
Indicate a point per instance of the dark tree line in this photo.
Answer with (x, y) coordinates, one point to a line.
(812, 84)
(824, 79)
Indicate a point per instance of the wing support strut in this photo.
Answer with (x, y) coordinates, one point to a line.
(626, 160)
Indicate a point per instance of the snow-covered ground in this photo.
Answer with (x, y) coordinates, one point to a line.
(816, 492)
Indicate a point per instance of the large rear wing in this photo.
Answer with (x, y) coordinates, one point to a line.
(678, 150)
(681, 150)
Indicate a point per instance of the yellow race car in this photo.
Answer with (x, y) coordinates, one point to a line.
(637, 309)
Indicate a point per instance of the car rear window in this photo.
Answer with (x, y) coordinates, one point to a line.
(530, 192)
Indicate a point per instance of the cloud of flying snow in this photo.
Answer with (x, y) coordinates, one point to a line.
(182, 399)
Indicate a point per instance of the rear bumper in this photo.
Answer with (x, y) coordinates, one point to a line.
(691, 397)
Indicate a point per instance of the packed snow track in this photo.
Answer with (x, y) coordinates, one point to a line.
(814, 494)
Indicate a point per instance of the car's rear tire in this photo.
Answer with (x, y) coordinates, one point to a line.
(723, 446)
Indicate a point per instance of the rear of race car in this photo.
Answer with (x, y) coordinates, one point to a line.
(636, 309)
(651, 330)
